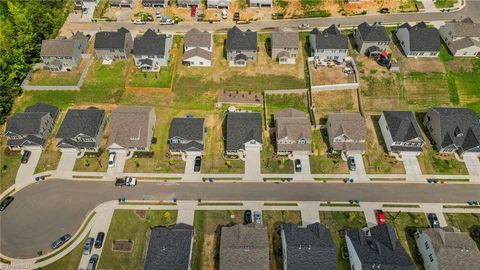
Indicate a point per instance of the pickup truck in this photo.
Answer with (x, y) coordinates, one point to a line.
(127, 181)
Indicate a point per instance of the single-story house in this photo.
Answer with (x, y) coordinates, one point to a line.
(293, 132)
(188, 3)
(371, 39)
(346, 132)
(454, 129)
(244, 130)
(462, 37)
(122, 3)
(418, 40)
(155, 3)
(113, 45)
(284, 43)
(241, 46)
(170, 248)
(82, 129)
(131, 128)
(187, 135)
(260, 3)
(198, 48)
(244, 247)
(151, 51)
(401, 132)
(309, 247)
(328, 44)
(218, 3)
(31, 128)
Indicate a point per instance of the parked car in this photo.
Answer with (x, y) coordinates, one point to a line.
(380, 217)
(193, 11)
(158, 15)
(126, 181)
(139, 22)
(198, 164)
(26, 156)
(351, 164)
(92, 263)
(87, 248)
(257, 216)
(8, 200)
(224, 14)
(111, 160)
(60, 241)
(167, 22)
(248, 216)
(304, 26)
(298, 165)
(99, 239)
(236, 16)
(433, 220)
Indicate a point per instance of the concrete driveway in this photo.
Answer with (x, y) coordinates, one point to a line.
(359, 175)
(66, 163)
(305, 174)
(186, 212)
(473, 166)
(25, 171)
(412, 168)
(190, 174)
(117, 170)
(252, 164)
(309, 212)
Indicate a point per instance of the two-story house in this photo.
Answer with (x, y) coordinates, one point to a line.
(151, 51)
(241, 47)
(347, 132)
(293, 132)
(371, 40)
(198, 48)
(328, 44)
(284, 45)
(122, 3)
(454, 130)
(31, 129)
(188, 3)
(113, 45)
(218, 3)
(82, 130)
(418, 40)
(462, 37)
(155, 3)
(244, 131)
(260, 3)
(187, 136)
(401, 132)
(61, 54)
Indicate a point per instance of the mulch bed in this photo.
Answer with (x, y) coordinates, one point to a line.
(141, 213)
(122, 245)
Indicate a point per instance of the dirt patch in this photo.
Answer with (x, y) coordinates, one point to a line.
(461, 65)
(142, 214)
(426, 65)
(330, 75)
(240, 97)
(122, 245)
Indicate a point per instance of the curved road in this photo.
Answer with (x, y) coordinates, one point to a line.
(42, 212)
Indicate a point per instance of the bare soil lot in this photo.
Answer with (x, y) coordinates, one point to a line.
(329, 75)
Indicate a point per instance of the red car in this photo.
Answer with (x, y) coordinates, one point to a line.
(380, 217)
(193, 11)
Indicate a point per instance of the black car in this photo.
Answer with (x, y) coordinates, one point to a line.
(298, 165)
(433, 219)
(60, 241)
(248, 216)
(351, 164)
(92, 263)
(99, 239)
(26, 156)
(198, 164)
(8, 200)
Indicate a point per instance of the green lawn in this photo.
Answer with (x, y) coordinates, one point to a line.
(468, 85)
(271, 163)
(337, 222)
(93, 162)
(68, 262)
(445, 3)
(126, 224)
(9, 163)
(464, 222)
(161, 79)
(320, 162)
(48, 160)
(431, 163)
(45, 77)
(276, 103)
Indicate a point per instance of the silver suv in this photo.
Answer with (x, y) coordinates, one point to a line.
(87, 248)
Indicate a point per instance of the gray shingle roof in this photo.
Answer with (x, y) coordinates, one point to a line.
(374, 32)
(42, 107)
(309, 247)
(26, 123)
(243, 127)
(197, 52)
(188, 2)
(150, 43)
(58, 47)
(402, 125)
(423, 38)
(131, 126)
(465, 28)
(284, 38)
(188, 129)
(239, 40)
(382, 249)
(351, 125)
(197, 38)
(244, 247)
(294, 125)
(330, 38)
(169, 248)
(81, 121)
(111, 40)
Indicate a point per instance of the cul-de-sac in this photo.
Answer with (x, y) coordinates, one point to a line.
(240, 134)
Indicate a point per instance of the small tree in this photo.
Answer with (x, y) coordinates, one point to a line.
(86, 162)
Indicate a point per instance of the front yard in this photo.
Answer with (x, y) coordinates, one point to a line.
(9, 164)
(320, 160)
(69, 261)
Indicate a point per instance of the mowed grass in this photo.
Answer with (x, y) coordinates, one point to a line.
(127, 225)
(206, 247)
(9, 164)
(320, 161)
(468, 85)
(68, 262)
(49, 78)
(161, 79)
(433, 163)
(271, 162)
(445, 3)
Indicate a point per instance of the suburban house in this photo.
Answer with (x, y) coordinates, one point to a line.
(122, 3)
(454, 129)
(218, 3)
(113, 45)
(82, 38)
(82, 129)
(241, 46)
(244, 247)
(131, 128)
(401, 132)
(188, 3)
(328, 44)
(445, 249)
(371, 39)
(309, 247)
(155, 3)
(187, 135)
(152, 51)
(31, 129)
(63, 54)
(198, 48)
(462, 37)
(260, 3)
(284, 45)
(170, 248)
(293, 132)
(418, 40)
(244, 130)
(377, 249)
(347, 132)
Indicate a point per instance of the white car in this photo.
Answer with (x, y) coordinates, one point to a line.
(111, 160)
(158, 15)
(139, 22)
(224, 14)
(131, 181)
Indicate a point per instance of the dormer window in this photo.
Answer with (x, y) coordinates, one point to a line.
(457, 132)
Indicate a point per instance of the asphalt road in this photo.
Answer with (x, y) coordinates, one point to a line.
(472, 9)
(42, 212)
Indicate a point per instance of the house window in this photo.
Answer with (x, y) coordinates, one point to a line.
(426, 245)
(431, 257)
